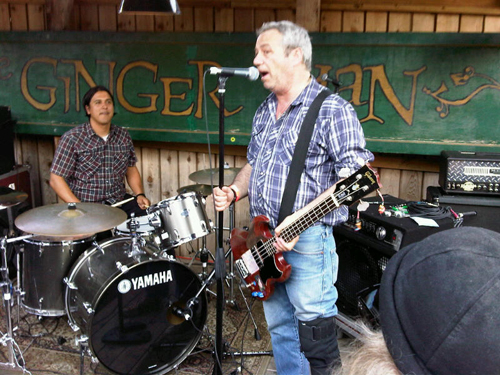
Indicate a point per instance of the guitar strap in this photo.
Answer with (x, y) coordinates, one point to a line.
(299, 156)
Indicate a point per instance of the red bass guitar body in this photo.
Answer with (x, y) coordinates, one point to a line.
(254, 253)
(272, 269)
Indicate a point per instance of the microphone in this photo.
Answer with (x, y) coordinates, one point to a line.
(251, 73)
(334, 82)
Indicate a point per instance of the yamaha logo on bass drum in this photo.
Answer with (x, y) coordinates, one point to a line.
(146, 281)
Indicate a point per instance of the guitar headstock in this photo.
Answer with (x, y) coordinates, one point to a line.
(361, 183)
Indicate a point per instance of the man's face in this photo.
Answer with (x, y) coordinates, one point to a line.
(101, 108)
(273, 64)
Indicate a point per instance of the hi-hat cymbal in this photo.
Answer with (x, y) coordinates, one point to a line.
(9, 197)
(68, 221)
(204, 190)
(203, 176)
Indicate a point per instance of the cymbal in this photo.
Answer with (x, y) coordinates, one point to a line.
(9, 197)
(203, 176)
(68, 221)
(204, 190)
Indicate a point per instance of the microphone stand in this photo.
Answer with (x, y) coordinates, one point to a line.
(219, 256)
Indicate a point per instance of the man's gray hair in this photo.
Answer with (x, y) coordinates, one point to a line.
(294, 36)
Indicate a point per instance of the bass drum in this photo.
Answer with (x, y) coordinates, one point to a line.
(132, 309)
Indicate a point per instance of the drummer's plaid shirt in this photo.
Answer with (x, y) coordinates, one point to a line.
(337, 142)
(93, 168)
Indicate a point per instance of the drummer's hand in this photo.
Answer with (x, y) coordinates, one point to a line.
(143, 202)
(280, 243)
(222, 197)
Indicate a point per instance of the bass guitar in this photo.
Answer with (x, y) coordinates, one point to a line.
(256, 258)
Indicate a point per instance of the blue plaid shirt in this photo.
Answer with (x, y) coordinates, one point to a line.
(337, 143)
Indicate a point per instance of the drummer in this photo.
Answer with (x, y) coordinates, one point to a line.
(92, 159)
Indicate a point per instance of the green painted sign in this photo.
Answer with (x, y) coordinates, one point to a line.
(414, 93)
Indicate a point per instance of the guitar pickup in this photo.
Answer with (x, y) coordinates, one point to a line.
(242, 268)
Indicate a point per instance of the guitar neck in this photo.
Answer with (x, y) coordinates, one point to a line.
(353, 188)
(309, 218)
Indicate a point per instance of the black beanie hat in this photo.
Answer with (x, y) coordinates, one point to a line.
(440, 304)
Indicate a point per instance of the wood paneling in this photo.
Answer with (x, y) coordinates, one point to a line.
(126, 22)
(224, 20)
(204, 19)
(447, 23)
(376, 22)
(89, 17)
(423, 23)
(36, 17)
(263, 15)
(184, 21)
(144, 23)
(243, 20)
(492, 24)
(309, 14)
(4, 17)
(164, 23)
(399, 22)
(19, 17)
(353, 22)
(107, 18)
(331, 21)
(471, 24)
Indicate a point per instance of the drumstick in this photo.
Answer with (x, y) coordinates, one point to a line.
(122, 202)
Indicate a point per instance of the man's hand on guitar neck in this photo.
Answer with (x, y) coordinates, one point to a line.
(280, 244)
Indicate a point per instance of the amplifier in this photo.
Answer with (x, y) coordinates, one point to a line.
(365, 251)
(470, 172)
(386, 234)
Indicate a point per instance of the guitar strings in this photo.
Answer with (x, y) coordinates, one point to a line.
(267, 249)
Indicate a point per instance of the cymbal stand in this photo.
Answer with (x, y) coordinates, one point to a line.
(204, 254)
(7, 288)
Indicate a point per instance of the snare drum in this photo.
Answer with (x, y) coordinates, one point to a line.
(184, 218)
(45, 264)
(145, 229)
(131, 309)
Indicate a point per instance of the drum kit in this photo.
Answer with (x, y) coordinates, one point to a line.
(138, 309)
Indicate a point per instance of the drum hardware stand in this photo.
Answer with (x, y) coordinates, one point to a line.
(206, 282)
(231, 300)
(7, 298)
(133, 225)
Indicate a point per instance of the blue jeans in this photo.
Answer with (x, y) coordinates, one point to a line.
(308, 294)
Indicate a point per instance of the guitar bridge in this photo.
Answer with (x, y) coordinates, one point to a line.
(242, 268)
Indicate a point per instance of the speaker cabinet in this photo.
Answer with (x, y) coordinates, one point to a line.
(360, 267)
(364, 251)
(6, 140)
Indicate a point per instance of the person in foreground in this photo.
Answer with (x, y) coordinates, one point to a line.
(300, 313)
(92, 159)
(439, 301)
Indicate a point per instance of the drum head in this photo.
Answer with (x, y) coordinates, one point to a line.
(138, 326)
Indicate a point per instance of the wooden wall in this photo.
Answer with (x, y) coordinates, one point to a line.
(166, 167)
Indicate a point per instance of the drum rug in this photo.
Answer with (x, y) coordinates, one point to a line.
(49, 346)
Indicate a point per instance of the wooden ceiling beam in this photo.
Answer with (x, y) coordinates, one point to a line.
(412, 8)
(58, 14)
(308, 14)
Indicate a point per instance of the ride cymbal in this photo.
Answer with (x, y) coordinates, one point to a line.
(205, 176)
(68, 221)
(9, 197)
